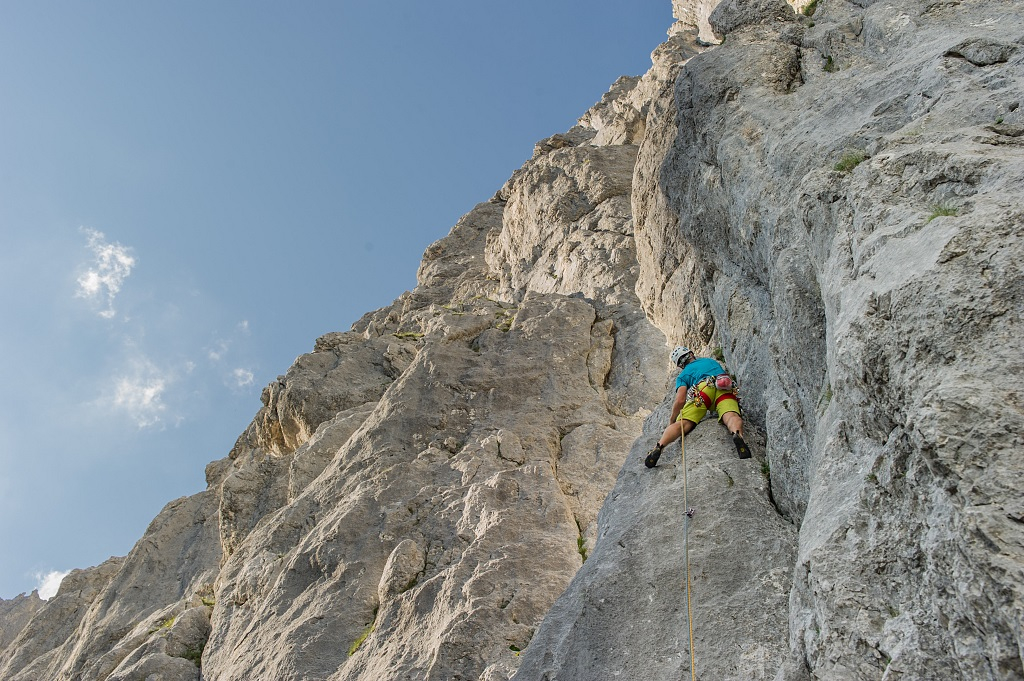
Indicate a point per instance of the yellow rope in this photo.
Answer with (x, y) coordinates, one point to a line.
(686, 551)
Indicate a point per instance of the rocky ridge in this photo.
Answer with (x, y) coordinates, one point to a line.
(15, 614)
(453, 489)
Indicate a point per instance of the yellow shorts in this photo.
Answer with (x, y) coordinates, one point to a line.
(723, 401)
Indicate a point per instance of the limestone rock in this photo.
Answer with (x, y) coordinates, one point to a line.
(731, 15)
(453, 268)
(310, 393)
(454, 487)
(624, 615)
(404, 566)
(102, 616)
(15, 614)
(465, 476)
(40, 646)
(693, 15)
(565, 226)
(172, 652)
(982, 51)
(591, 454)
(477, 458)
(313, 456)
(616, 118)
(811, 229)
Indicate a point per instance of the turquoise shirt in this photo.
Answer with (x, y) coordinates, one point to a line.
(699, 368)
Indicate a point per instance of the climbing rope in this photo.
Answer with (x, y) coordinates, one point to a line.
(688, 513)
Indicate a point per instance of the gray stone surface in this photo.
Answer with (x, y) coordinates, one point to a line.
(831, 203)
(859, 318)
(529, 366)
(104, 615)
(731, 15)
(456, 476)
(624, 616)
(15, 614)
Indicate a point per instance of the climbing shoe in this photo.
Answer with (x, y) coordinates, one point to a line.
(741, 446)
(652, 457)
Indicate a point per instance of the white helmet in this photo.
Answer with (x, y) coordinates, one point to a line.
(679, 353)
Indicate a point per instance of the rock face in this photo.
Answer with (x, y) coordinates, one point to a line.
(130, 616)
(454, 488)
(15, 614)
(624, 616)
(853, 234)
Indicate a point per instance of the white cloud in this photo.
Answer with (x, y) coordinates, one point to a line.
(139, 392)
(102, 280)
(217, 352)
(142, 398)
(221, 347)
(47, 584)
(243, 378)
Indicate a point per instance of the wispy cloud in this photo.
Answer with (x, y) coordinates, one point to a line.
(139, 392)
(48, 583)
(222, 346)
(142, 398)
(219, 349)
(243, 378)
(103, 277)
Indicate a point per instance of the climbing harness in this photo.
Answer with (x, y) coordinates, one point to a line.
(721, 382)
(689, 512)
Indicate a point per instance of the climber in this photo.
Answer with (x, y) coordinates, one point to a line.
(701, 385)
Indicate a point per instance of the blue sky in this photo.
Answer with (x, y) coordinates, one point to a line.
(192, 192)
